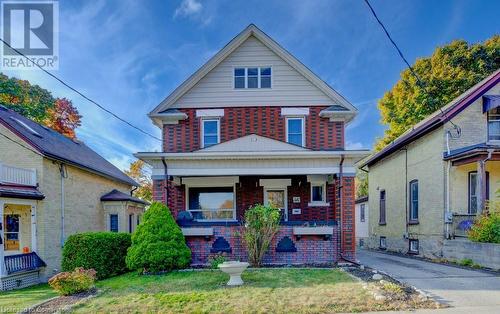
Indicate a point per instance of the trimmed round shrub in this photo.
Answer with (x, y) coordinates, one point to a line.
(68, 283)
(104, 252)
(158, 243)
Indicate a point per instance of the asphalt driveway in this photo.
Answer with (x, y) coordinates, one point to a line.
(460, 288)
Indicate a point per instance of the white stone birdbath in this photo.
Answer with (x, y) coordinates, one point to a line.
(234, 269)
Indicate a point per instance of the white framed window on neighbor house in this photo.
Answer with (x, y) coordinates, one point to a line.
(210, 132)
(252, 77)
(494, 124)
(295, 130)
(362, 212)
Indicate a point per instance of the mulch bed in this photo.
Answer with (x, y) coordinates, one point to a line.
(405, 297)
(59, 303)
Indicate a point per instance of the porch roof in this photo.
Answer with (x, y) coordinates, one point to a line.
(220, 163)
(116, 195)
(473, 153)
(24, 192)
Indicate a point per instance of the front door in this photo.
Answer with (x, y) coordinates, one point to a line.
(277, 198)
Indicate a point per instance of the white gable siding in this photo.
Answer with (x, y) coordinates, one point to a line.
(288, 86)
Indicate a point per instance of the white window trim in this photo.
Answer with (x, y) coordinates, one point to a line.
(410, 246)
(215, 182)
(285, 200)
(209, 113)
(362, 209)
(202, 130)
(318, 203)
(488, 127)
(259, 67)
(303, 118)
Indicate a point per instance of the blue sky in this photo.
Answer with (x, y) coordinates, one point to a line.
(129, 55)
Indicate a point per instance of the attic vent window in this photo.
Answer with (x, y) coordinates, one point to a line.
(251, 78)
(27, 127)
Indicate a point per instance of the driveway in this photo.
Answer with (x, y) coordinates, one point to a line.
(460, 288)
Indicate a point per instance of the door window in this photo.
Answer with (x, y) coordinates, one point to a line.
(11, 223)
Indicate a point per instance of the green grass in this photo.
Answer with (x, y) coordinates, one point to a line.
(282, 290)
(17, 300)
(265, 291)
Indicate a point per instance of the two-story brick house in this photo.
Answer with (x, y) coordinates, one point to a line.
(254, 125)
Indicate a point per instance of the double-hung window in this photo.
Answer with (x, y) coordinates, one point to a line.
(494, 124)
(210, 132)
(252, 77)
(381, 220)
(295, 130)
(473, 192)
(414, 201)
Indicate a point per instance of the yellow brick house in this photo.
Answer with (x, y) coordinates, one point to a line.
(51, 187)
(429, 184)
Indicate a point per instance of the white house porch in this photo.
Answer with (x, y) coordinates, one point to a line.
(19, 261)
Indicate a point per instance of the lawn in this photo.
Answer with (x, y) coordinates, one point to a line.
(17, 300)
(267, 290)
(279, 290)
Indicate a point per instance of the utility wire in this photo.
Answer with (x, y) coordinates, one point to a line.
(81, 94)
(412, 71)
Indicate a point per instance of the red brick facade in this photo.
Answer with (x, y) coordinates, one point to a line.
(310, 250)
(320, 133)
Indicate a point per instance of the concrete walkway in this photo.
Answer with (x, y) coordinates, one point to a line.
(467, 291)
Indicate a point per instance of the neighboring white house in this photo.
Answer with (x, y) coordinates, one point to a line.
(361, 220)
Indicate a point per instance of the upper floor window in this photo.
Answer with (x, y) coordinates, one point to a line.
(414, 201)
(494, 124)
(295, 131)
(210, 132)
(252, 78)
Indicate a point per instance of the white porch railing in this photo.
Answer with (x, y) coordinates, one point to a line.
(16, 175)
(219, 214)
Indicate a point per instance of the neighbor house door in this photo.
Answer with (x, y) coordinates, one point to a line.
(278, 199)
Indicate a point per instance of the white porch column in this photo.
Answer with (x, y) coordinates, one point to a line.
(33, 229)
(3, 271)
(481, 186)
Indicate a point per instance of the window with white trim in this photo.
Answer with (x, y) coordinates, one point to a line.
(295, 130)
(362, 212)
(382, 243)
(494, 124)
(413, 246)
(210, 132)
(252, 77)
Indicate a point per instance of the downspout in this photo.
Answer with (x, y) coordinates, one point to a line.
(483, 179)
(165, 169)
(447, 208)
(407, 235)
(63, 173)
(133, 190)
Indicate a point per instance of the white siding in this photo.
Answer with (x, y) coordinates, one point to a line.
(288, 86)
(361, 226)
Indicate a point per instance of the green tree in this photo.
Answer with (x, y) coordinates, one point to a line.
(361, 183)
(137, 171)
(450, 71)
(31, 101)
(158, 243)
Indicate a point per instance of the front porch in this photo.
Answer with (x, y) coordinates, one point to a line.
(19, 261)
(474, 181)
(209, 190)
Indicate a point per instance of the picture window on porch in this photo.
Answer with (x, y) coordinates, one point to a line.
(12, 240)
(494, 124)
(212, 203)
(414, 201)
(295, 131)
(113, 223)
(210, 132)
(472, 194)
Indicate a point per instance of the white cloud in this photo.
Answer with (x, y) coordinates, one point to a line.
(188, 7)
(354, 145)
